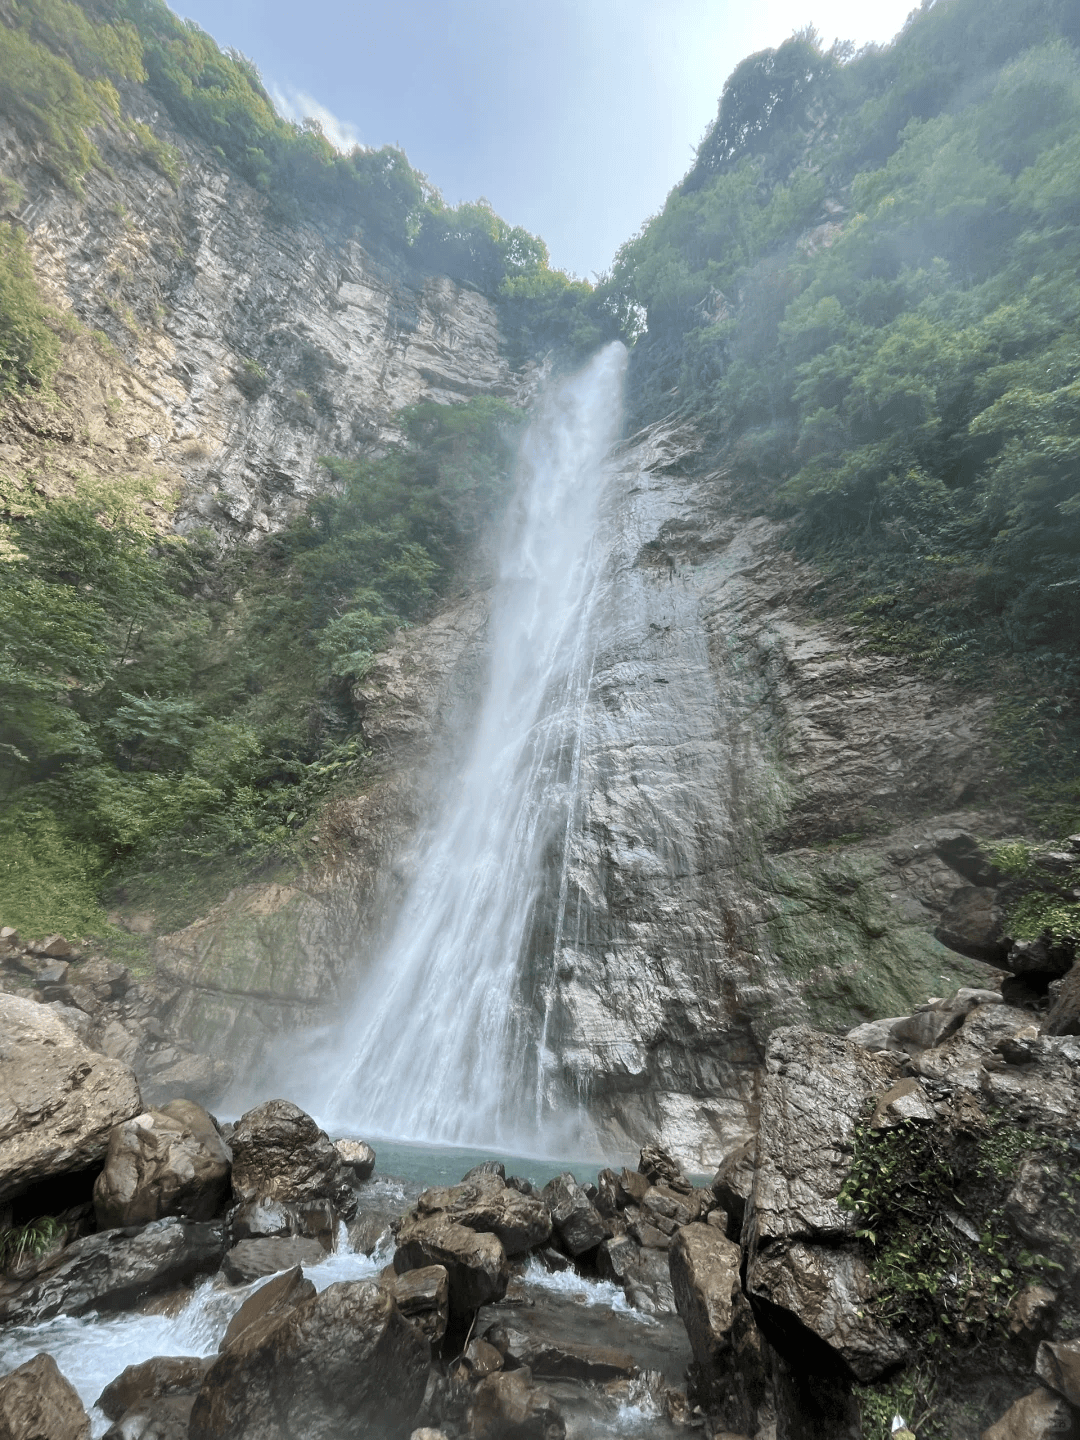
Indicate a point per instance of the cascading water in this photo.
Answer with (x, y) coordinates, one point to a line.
(446, 1039)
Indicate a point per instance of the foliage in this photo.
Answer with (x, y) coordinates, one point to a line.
(34, 1238)
(866, 290)
(166, 704)
(945, 1265)
(28, 347)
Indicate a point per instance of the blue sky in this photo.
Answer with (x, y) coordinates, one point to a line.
(572, 119)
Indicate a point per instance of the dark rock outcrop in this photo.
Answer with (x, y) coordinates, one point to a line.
(476, 1263)
(345, 1365)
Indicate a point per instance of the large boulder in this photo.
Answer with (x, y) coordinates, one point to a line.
(280, 1154)
(579, 1224)
(507, 1406)
(269, 1305)
(475, 1262)
(359, 1157)
(59, 1101)
(345, 1365)
(38, 1403)
(152, 1380)
(163, 1162)
(113, 1269)
(704, 1267)
(485, 1203)
(803, 1257)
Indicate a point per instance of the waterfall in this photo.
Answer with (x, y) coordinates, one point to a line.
(446, 1039)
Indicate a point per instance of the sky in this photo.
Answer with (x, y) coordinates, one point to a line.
(573, 118)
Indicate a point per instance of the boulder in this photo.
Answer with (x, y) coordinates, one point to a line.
(1038, 1416)
(508, 1406)
(152, 1380)
(113, 1269)
(345, 1365)
(579, 1224)
(646, 1281)
(422, 1296)
(358, 1157)
(59, 1100)
(485, 1203)
(733, 1182)
(158, 1164)
(630, 1187)
(163, 1419)
(475, 1263)
(971, 924)
(269, 1304)
(802, 1254)
(1057, 1365)
(38, 1403)
(704, 1268)
(660, 1168)
(280, 1154)
(1064, 1015)
(254, 1259)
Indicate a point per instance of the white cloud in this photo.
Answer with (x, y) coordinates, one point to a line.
(298, 105)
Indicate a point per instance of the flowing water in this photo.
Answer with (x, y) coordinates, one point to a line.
(446, 1041)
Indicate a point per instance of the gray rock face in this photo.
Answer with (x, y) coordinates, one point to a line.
(802, 1256)
(162, 1164)
(971, 923)
(475, 1263)
(113, 1269)
(345, 1365)
(59, 1101)
(38, 1403)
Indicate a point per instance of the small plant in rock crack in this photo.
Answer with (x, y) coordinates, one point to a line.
(31, 1240)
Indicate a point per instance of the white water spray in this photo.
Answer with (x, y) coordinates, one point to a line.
(446, 1042)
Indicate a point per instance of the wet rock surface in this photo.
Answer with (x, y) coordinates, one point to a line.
(113, 1269)
(37, 1403)
(58, 1100)
(162, 1162)
(345, 1363)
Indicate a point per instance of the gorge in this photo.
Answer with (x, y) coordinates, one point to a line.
(488, 710)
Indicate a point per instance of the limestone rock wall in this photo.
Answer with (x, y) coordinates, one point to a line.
(254, 346)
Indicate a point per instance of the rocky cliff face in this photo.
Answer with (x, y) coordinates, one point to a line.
(763, 807)
(765, 804)
(250, 347)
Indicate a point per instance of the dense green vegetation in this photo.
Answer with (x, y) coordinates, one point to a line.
(866, 291)
(947, 1265)
(164, 705)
